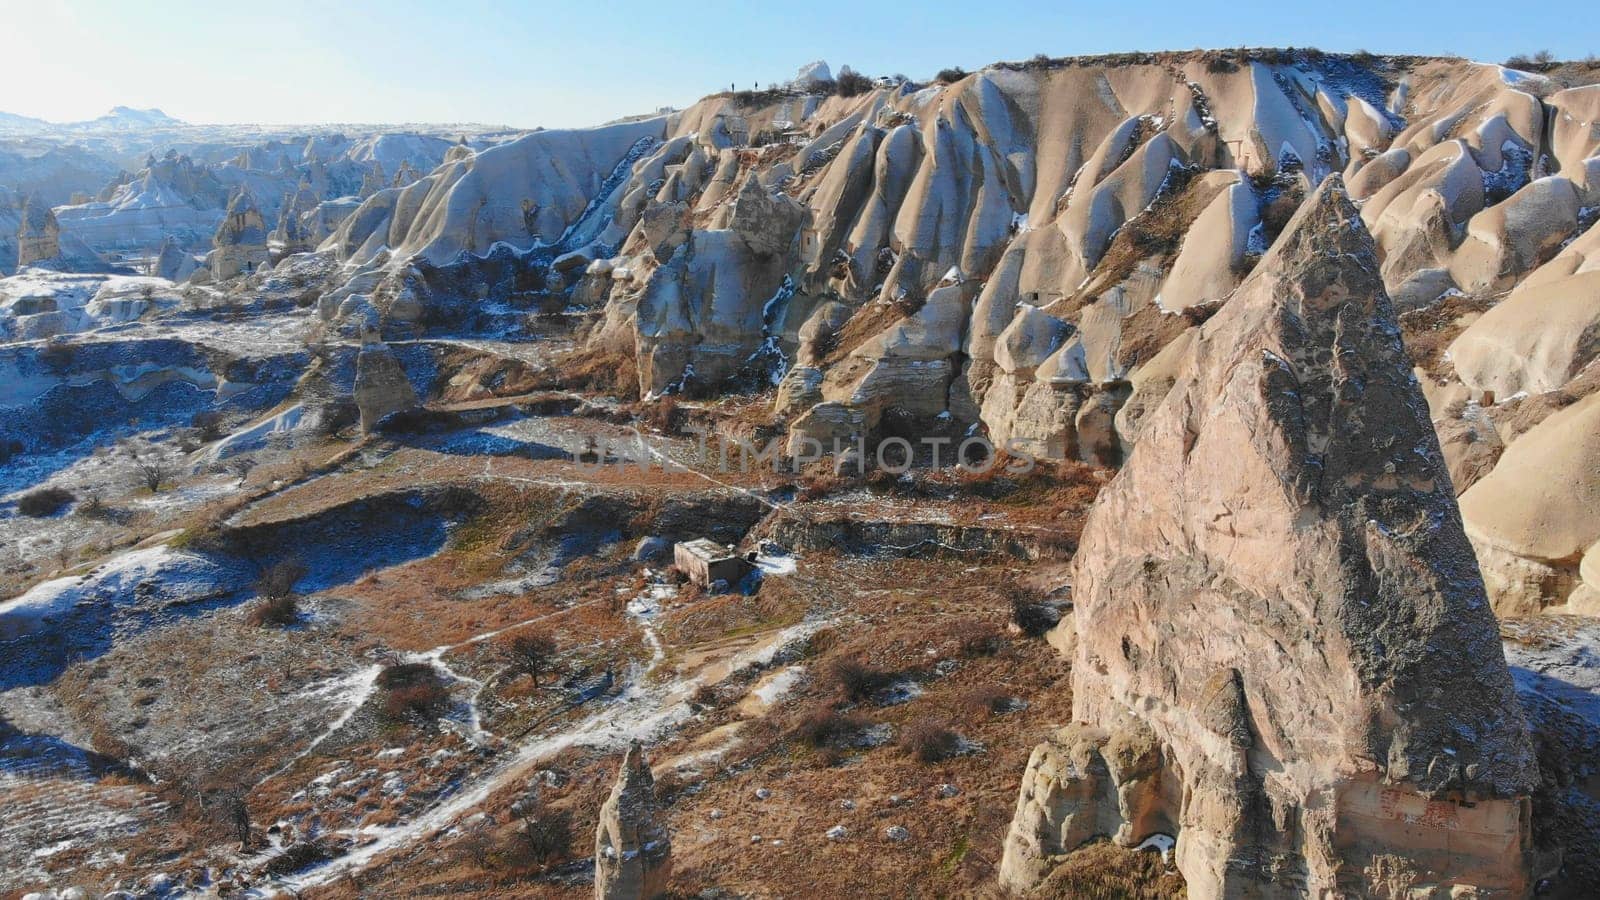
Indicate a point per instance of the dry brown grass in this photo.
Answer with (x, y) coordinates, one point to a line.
(868, 321)
(1156, 233)
(1104, 871)
(1429, 332)
(611, 373)
(1148, 330)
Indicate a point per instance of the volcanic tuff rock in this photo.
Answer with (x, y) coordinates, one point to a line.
(241, 241)
(381, 387)
(1025, 250)
(1283, 652)
(296, 220)
(40, 242)
(1535, 519)
(39, 238)
(632, 850)
(690, 319)
(173, 262)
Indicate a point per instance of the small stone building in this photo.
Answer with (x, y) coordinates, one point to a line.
(706, 561)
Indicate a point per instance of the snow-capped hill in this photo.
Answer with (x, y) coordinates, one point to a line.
(128, 118)
(10, 121)
(420, 151)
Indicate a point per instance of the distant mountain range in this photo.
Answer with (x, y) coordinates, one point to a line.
(120, 118)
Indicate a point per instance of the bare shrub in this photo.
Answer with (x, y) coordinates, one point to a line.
(279, 578)
(413, 691)
(985, 701)
(226, 809)
(929, 742)
(858, 681)
(44, 502)
(850, 83)
(661, 414)
(477, 849)
(297, 856)
(1278, 211)
(153, 471)
(706, 696)
(543, 839)
(279, 611)
(207, 423)
(950, 75)
(825, 727)
(978, 639)
(94, 507)
(1538, 62)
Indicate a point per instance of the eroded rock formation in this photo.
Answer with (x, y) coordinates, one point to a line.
(632, 850)
(39, 238)
(174, 263)
(241, 241)
(1282, 650)
(1026, 251)
(381, 386)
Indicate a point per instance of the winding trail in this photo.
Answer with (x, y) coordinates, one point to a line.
(644, 710)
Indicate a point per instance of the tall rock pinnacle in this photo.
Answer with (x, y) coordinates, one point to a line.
(39, 238)
(1283, 654)
(632, 850)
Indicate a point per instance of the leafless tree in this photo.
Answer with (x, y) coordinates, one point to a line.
(530, 654)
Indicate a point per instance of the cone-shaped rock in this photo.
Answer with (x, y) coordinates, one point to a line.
(174, 263)
(1283, 654)
(241, 241)
(381, 387)
(632, 851)
(39, 238)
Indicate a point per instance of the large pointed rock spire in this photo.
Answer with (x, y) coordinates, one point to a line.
(1282, 652)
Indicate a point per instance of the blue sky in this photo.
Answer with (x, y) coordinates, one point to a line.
(579, 63)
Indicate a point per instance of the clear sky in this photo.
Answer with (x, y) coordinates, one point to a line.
(580, 63)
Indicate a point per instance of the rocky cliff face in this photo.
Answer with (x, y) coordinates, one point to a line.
(1282, 650)
(1027, 251)
(632, 851)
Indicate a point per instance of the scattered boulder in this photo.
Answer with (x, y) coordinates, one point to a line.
(812, 75)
